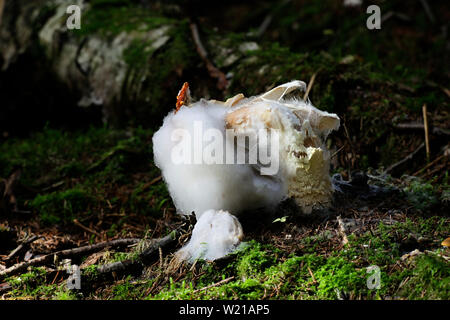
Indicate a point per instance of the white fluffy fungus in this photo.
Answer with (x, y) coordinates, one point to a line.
(204, 187)
(216, 234)
(200, 187)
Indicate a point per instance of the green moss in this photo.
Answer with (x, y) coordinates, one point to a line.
(31, 283)
(149, 71)
(264, 276)
(78, 172)
(52, 153)
(126, 290)
(65, 295)
(339, 275)
(420, 194)
(429, 279)
(109, 18)
(253, 260)
(90, 273)
(34, 285)
(62, 206)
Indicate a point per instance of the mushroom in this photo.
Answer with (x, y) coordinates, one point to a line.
(193, 145)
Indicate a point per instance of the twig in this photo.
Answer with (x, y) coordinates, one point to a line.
(436, 169)
(312, 275)
(214, 284)
(17, 268)
(2, 5)
(5, 287)
(407, 158)
(339, 150)
(215, 73)
(264, 25)
(342, 230)
(430, 164)
(54, 186)
(425, 123)
(427, 10)
(56, 276)
(148, 184)
(446, 91)
(160, 257)
(20, 247)
(421, 127)
(310, 84)
(78, 223)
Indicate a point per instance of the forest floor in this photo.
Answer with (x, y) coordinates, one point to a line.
(73, 188)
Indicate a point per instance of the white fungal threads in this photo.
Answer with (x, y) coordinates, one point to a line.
(245, 154)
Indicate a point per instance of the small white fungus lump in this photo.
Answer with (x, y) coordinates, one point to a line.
(216, 234)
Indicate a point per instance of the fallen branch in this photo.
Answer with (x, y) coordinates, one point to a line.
(146, 257)
(17, 268)
(21, 246)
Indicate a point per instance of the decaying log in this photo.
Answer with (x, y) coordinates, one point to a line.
(124, 75)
